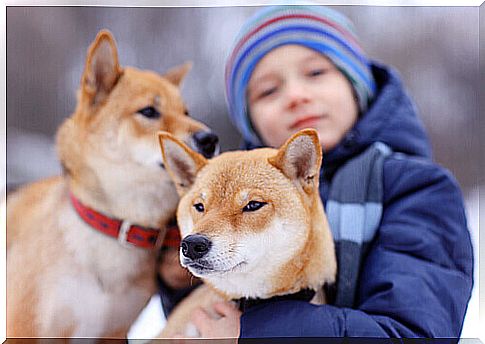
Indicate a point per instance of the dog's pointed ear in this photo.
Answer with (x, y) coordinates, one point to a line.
(300, 159)
(177, 74)
(102, 69)
(181, 162)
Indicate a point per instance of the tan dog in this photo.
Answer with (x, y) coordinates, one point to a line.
(65, 278)
(252, 223)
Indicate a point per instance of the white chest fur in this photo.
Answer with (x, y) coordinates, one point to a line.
(95, 283)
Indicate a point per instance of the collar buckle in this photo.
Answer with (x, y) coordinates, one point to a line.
(123, 233)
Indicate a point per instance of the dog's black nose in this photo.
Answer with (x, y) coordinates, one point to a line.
(195, 246)
(206, 143)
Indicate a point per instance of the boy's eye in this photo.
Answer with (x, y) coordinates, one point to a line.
(253, 206)
(316, 72)
(267, 92)
(199, 207)
(149, 112)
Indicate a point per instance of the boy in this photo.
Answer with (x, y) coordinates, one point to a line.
(294, 67)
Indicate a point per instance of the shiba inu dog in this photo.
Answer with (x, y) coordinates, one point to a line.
(252, 224)
(81, 248)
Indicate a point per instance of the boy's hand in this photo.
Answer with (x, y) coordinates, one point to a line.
(228, 326)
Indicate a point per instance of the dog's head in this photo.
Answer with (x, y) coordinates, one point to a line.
(120, 110)
(252, 222)
(110, 142)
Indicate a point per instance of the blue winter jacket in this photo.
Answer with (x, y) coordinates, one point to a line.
(416, 279)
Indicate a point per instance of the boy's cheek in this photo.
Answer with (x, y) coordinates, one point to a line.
(270, 125)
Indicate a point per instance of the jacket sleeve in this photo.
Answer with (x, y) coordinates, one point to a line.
(416, 279)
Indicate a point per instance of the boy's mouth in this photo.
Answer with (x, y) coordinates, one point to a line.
(306, 121)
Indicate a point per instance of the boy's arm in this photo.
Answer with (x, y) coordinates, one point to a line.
(416, 279)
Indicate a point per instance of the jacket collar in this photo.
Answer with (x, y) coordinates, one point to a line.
(303, 295)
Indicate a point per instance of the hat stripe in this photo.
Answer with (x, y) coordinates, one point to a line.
(355, 50)
(318, 13)
(303, 29)
(290, 16)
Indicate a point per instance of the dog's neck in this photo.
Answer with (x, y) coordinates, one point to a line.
(124, 231)
(108, 181)
(132, 193)
(315, 262)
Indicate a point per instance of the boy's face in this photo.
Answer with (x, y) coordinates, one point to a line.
(294, 87)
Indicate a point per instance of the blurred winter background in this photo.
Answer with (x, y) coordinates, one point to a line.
(436, 50)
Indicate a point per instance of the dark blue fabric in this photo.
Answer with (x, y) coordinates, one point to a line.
(417, 277)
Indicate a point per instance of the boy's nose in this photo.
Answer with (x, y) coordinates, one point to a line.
(206, 142)
(296, 94)
(195, 246)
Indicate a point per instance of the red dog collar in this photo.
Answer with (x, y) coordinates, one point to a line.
(124, 231)
(172, 236)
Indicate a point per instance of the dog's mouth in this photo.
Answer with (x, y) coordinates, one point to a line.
(204, 268)
(199, 269)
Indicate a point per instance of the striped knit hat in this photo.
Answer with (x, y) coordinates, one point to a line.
(316, 27)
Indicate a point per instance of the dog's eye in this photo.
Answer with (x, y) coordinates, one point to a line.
(149, 112)
(186, 112)
(199, 207)
(254, 205)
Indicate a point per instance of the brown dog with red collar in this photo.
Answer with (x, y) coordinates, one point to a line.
(81, 248)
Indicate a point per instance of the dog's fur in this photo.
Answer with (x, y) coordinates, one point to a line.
(281, 248)
(65, 279)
